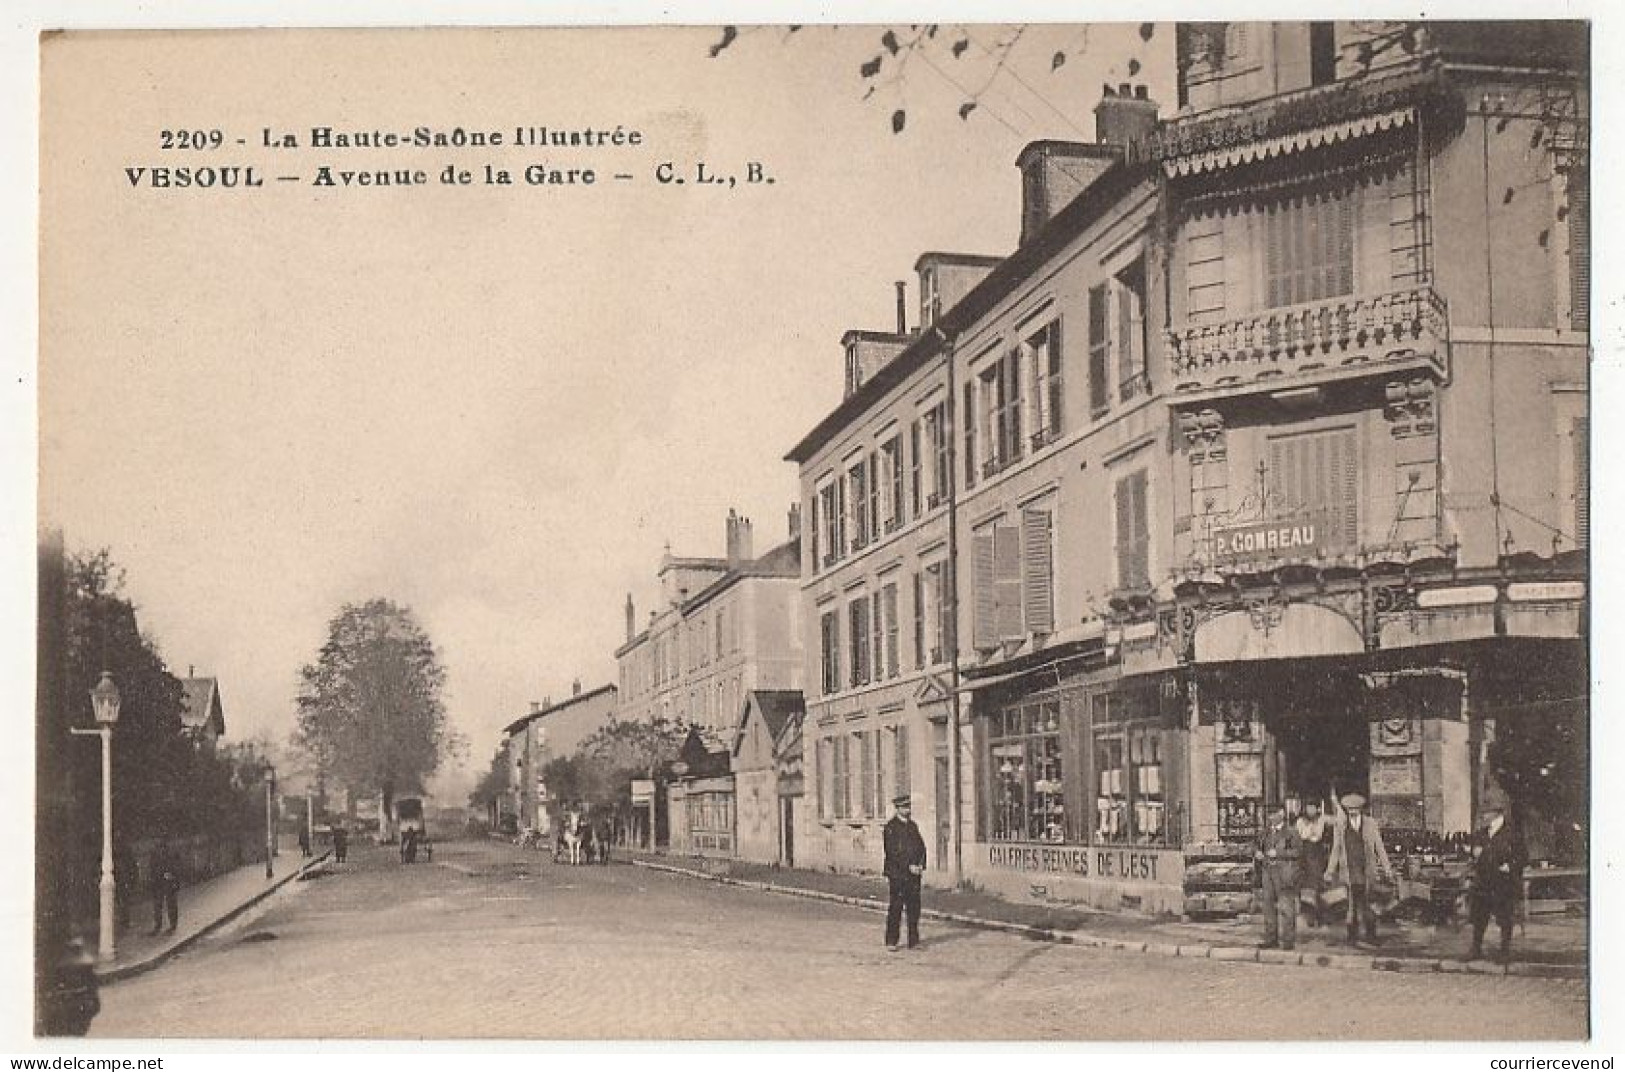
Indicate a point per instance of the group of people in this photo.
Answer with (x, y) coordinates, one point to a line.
(1311, 853)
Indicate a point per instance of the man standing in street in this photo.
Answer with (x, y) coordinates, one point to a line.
(905, 863)
(165, 882)
(1278, 854)
(1498, 862)
(1360, 861)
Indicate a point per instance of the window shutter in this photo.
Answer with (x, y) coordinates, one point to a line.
(1125, 340)
(1343, 252)
(866, 759)
(1037, 571)
(874, 498)
(840, 518)
(900, 759)
(1054, 384)
(1012, 401)
(1275, 254)
(1346, 482)
(968, 415)
(1132, 532)
(1007, 580)
(877, 633)
(985, 627)
(1580, 249)
(893, 662)
(914, 467)
(1582, 482)
(1098, 396)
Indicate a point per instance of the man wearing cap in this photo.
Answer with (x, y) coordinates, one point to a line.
(1359, 860)
(1498, 861)
(905, 863)
(1277, 853)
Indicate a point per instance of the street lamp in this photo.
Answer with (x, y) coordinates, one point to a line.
(104, 700)
(270, 828)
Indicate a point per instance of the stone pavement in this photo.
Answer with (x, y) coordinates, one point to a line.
(1546, 946)
(204, 906)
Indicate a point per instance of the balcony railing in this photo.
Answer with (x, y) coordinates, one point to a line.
(1328, 336)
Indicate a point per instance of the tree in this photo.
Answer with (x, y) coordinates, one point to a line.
(370, 708)
(494, 783)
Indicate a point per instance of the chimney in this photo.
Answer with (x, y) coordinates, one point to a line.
(902, 307)
(738, 542)
(631, 619)
(191, 671)
(1125, 117)
(575, 687)
(795, 521)
(1054, 174)
(535, 706)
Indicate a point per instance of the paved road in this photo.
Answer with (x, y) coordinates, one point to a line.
(491, 942)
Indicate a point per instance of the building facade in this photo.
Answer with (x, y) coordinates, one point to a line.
(1257, 471)
(550, 731)
(725, 628)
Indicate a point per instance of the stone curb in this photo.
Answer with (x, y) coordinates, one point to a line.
(125, 971)
(1199, 951)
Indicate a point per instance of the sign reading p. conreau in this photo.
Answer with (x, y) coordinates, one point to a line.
(1267, 538)
(1125, 865)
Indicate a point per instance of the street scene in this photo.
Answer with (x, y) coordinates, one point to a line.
(934, 532)
(494, 942)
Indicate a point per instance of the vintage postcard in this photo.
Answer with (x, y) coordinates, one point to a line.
(931, 532)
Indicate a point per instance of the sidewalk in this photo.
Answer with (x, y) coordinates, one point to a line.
(1547, 946)
(204, 907)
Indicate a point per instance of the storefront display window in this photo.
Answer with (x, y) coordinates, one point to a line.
(1130, 776)
(1024, 748)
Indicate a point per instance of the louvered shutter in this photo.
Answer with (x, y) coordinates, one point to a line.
(874, 498)
(1274, 255)
(1132, 543)
(1582, 482)
(1580, 250)
(920, 658)
(1343, 246)
(889, 599)
(1098, 391)
(1345, 481)
(1007, 580)
(985, 627)
(914, 468)
(840, 518)
(1037, 571)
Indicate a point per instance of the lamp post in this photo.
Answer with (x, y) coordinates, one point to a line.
(270, 827)
(104, 700)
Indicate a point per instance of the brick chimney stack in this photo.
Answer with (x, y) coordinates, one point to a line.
(738, 539)
(1125, 116)
(795, 521)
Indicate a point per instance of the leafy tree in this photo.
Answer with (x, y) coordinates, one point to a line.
(495, 782)
(370, 709)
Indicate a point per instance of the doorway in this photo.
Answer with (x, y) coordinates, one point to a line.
(787, 823)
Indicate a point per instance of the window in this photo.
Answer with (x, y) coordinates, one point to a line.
(1001, 412)
(858, 621)
(827, 519)
(915, 493)
(1133, 532)
(857, 481)
(901, 782)
(1044, 350)
(891, 474)
(969, 412)
(1131, 801)
(829, 629)
(841, 775)
(872, 534)
(1309, 249)
(1322, 53)
(885, 632)
(936, 429)
(1099, 351)
(869, 773)
(997, 585)
(1128, 294)
(931, 614)
(1025, 768)
(1314, 480)
(822, 775)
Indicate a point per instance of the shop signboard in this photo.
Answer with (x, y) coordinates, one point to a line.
(643, 790)
(1302, 537)
(1113, 863)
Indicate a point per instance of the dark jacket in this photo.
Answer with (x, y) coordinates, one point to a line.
(904, 847)
(1278, 852)
(1498, 862)
(163, 873)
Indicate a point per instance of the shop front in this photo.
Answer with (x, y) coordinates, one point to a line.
(1080, 789)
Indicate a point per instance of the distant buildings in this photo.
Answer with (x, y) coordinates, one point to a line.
(550, 731)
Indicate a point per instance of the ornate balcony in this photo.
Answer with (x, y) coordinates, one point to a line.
(1298, 345)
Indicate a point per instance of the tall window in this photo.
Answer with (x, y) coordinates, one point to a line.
(1025, 768)
(885, 632)
(859, 624)
(933, 434)
(1044, 350)
(941, 475)
(968, 418)
(1309, 249)
(829, 632)
(916, 500)
(1131, 799)
(901, 780)
(857, 482)
(828, 509)
(1001, 412)
(867, 745)
(1315, 480)
(1128, 294)
(891, 473)
(1133, 532)
(841, 772)
(931, 614)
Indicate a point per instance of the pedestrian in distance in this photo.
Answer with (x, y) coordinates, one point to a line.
(904, 864)
(341, 844)
(1279, 854)
(304, 841)
(164, 882)
(1360, 861)
(1498, 863)
(1314, 832)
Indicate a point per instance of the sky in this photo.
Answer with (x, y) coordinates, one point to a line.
(497, 405)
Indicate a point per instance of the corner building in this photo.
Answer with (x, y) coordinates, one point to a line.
(1266, 452)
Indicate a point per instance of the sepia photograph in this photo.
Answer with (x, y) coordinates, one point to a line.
(932, 532)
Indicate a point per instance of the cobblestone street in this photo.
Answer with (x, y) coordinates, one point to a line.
(492, 942)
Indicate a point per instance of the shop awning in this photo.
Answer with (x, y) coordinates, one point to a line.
(1297, 141)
